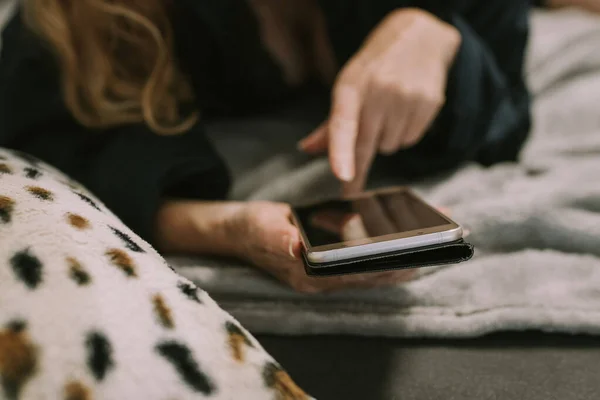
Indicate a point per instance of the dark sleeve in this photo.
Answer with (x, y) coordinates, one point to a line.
(487, 113)
(129, 168)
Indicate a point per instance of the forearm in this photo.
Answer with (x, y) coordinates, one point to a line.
(196, 227)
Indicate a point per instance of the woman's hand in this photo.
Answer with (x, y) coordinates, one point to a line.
(387, 95)
(258, 232)
(270, 241)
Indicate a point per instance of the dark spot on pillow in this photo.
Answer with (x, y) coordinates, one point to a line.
(27, 268)
(126, 239)
(162, 312)
(99, 355)
(77, 221)
(5, 169)
(77, 272)
(88, 200)
(188, 369)
(40, 193)
(17, 326)
(18, 359)
(77, 391)
(7, 206)
(238, 340)
(32, 173)
(189, 290)
(122, 260)
(277, 379)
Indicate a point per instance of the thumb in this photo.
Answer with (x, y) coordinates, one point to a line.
(283, 237)
(317, 141)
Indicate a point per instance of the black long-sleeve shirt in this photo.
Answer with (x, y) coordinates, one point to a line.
(485, 119)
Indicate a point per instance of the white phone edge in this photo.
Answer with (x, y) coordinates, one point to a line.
(388, 246)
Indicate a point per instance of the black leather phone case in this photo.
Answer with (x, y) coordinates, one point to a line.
(428, 256)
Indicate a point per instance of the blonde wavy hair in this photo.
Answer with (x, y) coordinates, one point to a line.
(116, 61)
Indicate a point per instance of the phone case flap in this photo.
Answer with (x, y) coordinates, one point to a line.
(440, 254)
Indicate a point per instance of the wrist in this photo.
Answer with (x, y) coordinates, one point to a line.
(196, 227)
(442, 37)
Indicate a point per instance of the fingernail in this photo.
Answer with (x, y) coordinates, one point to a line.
(345, 173)
(291, 249)
(301, 145)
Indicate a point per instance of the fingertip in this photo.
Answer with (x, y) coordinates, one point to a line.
(345, 174)
(388, 149)
(316, 136)
(342, 167)
(301, 145)
(310, 148)
(307, 142)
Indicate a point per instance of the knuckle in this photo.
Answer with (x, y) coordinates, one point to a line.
(363, 154)
(387, 83)
(261, 213)
(435, 99)
(251, 220)
(259, 205)
(347, 85)
(284, 207)
(413, 140)
(399, 87)
(412, 92)
(388, 148)
(391, 143)
(348, 73)
(342, 124)
(440, 100)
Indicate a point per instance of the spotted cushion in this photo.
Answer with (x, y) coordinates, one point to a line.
(88, 310)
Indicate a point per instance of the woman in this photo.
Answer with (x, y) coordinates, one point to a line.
(114, 93)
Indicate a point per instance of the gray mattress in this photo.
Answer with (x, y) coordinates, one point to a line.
(505, 366)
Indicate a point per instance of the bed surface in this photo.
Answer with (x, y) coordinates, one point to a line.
(507, 366)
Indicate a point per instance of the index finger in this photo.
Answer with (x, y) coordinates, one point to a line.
(343, 130)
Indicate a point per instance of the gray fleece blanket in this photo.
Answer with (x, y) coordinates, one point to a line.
(535, 225)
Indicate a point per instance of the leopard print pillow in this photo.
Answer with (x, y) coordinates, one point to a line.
(90, 311)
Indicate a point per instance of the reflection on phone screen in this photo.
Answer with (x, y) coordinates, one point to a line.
(381, 214)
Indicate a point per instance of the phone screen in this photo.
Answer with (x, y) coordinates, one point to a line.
(381, 214)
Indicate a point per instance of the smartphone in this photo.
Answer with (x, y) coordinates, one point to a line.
(371, 223)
